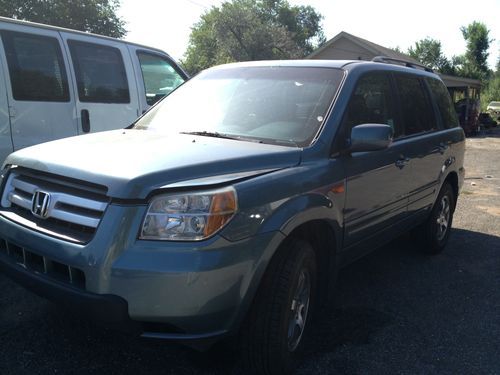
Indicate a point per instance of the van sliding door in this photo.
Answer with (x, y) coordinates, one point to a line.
(106, 91)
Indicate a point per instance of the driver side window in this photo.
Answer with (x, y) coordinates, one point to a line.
(371, 103)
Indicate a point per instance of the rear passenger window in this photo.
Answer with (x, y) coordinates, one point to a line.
(416, 108)
(36, 67)
(100, 73)
(444, 103)
(372, 103)
(160, 78)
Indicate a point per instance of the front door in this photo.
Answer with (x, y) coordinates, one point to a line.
(157, 72)
(376, 186)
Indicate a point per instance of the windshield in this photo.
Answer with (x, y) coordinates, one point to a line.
(284, 105)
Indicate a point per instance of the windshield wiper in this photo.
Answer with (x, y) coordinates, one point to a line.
(205, 133)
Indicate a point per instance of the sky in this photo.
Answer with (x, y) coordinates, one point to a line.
(166, 24)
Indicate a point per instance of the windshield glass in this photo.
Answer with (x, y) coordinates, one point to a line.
(284, 105)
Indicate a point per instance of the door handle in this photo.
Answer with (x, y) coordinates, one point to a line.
(85, 120)
(442, 148)
(402, 162)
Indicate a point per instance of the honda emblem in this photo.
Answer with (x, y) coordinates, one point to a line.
(40, 204)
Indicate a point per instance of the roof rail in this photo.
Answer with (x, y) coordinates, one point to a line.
(391, 60)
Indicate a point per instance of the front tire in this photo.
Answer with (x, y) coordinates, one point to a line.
(273, 332)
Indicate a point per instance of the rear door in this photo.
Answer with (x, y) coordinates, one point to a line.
(157, 75)
(106, 90)
(427, 145)
(377, 181)
(41, 106)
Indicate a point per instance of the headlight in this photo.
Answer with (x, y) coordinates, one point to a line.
(189, 216)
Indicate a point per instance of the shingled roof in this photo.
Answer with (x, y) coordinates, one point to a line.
(374, 48)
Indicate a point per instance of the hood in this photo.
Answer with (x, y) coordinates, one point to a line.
(132, 163)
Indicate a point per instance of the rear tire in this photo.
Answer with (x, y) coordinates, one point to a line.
(274, 329)
(433, 234)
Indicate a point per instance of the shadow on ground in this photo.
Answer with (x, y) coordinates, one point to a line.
(396, 311)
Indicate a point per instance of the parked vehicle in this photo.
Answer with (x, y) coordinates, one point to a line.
(229, 207)
(494, 110)
(60, 83)
(486, 121)
(467, 105)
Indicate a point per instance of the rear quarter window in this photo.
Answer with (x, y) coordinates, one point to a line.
(444, 103)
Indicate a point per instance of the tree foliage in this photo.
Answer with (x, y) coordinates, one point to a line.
(474, 63)
(96, 16)
(245, 30)
(428, 51)
(492, 90)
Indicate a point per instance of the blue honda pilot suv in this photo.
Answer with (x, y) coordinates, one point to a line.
(230, 205)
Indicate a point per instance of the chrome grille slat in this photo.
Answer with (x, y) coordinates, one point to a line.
(68, 204)
(20, 201)
(24, 186)
(75, 218)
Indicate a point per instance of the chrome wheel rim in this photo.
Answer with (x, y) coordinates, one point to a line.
(299, 309)
(443, 217)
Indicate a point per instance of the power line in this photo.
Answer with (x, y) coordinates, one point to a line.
(197, 4)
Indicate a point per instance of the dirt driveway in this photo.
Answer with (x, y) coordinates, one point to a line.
(397, 311)
(481, 192)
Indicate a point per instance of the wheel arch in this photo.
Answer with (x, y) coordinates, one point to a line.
(321, 235)
(452, 179)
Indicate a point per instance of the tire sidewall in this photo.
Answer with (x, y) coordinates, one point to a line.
(432, 227)
(307, 260)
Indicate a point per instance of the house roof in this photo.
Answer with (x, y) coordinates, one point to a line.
(374, 48)
(378, 50)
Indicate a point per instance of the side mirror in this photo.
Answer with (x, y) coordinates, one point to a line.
(370, 137)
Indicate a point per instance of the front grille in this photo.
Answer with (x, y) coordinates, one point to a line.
(42, 265)
(72, 209)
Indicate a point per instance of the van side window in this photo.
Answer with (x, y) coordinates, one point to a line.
(371, 103)
(36, 67)
(159, 76)
(444, 103)
(416, 108)
(100, 73)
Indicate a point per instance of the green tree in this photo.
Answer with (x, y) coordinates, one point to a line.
(428, 51)
(492, 90)
(474, 63)
(96, 16)
(245, 30)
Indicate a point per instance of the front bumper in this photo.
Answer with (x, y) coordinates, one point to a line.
(173, 290)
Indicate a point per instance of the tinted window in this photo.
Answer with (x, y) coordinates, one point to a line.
(416, 107)
(100, 73)
(372, 103)
(36, 67)
(160, 78)
(444, 103)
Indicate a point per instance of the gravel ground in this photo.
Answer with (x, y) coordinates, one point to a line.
(396, 311)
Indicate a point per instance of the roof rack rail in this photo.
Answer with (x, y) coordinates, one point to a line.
(389, 60)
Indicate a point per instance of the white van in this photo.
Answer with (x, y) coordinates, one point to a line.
(56, 83)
